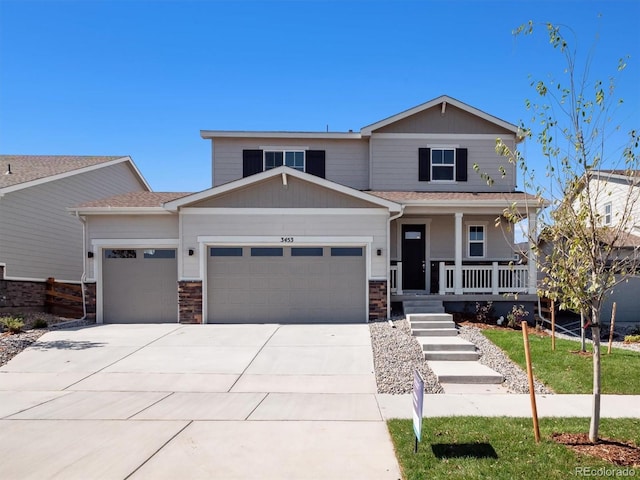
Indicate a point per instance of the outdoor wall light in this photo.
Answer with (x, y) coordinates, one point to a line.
(89, 254)
(379, 252)
(191, 252)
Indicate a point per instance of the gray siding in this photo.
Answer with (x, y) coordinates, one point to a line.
(627, 304)
(272, 193)
(346, 160)
(291, 224)
(394, 165)
(129, 227)
(455, 120)
(39, 238)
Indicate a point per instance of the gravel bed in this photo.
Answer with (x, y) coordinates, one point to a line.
(396, 355)
(13, 344)
(516, 379)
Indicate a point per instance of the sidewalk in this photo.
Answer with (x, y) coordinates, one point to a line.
(509, 405)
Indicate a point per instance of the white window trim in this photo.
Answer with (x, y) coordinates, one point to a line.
(606, 222)
(284, 151)
(469, 242)
(453, 167)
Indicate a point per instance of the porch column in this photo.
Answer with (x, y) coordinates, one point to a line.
(457, 274)
(531, 255)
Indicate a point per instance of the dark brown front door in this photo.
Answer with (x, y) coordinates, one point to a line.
(413, 257)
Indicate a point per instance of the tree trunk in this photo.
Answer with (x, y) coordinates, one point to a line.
(595, 412)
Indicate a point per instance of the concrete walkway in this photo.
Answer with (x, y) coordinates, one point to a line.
(216, 401)
(220, 401)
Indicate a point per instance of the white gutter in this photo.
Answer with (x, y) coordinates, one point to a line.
(394, 217)
(84, 264)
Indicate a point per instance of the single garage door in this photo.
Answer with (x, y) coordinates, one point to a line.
(140, 286)
(286, 285)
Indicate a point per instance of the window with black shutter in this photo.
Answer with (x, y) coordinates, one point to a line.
(252, 162)
(442, 164)
(316, 163)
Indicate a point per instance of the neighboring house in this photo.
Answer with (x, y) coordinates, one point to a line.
(615, 192)
(38, 237)
(318, 226)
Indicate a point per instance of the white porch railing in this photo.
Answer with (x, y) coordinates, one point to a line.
(494, 278)
(395, 279)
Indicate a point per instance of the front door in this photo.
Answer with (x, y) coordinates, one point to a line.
(413, 257)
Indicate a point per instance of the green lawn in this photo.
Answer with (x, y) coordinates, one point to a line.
(498, 448)
(567, 372)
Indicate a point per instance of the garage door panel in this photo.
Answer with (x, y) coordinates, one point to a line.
(297, 287)
(140, 289)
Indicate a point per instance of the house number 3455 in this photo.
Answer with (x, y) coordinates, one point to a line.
(286, 239)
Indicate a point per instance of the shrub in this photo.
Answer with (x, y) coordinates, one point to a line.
(40, 323)
(516, 316)
(632, 338)
(12, 324)
(484, 312)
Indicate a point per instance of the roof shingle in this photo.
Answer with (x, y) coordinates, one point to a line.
(26, 168)
(134, 200)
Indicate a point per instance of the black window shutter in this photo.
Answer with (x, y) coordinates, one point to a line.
(251, 162)
(424, 164)
(315, 163)
(461, 164)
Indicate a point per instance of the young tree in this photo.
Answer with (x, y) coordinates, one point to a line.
(591, 247)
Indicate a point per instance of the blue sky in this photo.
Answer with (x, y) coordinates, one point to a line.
(142, 78)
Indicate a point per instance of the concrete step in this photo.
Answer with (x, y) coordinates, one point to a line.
(430, 325)
(421, 303)
(425, 309)
(440, 344)
(452, 356)
(464, 372)
(435, 332)
(429, 317)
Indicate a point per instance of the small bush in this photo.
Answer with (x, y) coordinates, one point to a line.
(40, 323)
(516, 316)
(484, 312)
(632, 338)
(12, 324)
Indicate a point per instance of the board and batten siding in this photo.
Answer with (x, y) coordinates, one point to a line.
(293, 225)
(119, 227)
(346, 161)
(394, 165)
(39, 238)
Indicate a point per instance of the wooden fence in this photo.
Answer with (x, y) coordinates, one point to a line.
(63, 298)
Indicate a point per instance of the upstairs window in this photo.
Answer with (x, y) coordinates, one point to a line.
(607, 214)
(293, 159)
(476, 240)
(443, 164)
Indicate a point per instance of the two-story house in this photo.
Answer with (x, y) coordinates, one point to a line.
(318, 226)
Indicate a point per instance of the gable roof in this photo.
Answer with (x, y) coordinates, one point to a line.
(368, 130)
(29, 170)
(284, 172)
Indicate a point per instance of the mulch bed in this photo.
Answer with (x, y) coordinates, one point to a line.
(619, 453)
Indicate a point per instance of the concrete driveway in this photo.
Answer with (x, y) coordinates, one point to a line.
(202, 401)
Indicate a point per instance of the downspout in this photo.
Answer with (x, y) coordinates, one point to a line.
(84, 265)
(395, 217)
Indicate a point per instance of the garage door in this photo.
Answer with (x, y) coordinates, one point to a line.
(286, 285)
(140, 286)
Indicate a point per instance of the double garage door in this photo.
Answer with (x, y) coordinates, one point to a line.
(286, 284)
(140, 286)
(318, 284)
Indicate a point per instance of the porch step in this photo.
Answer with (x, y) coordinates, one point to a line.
(432, 325)
(452, 356)
(439, 344)
(448, 348)
(464, 372)
(422, 306)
